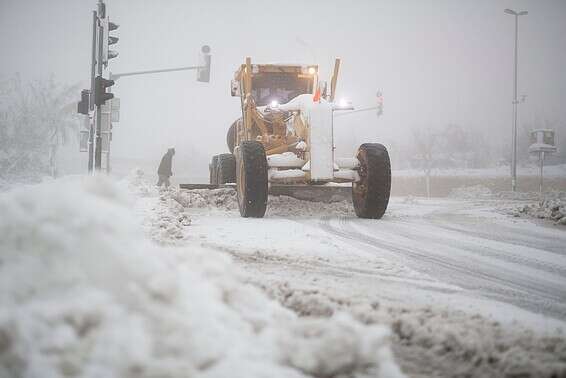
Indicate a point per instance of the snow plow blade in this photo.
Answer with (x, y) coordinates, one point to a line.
(206, 186)
(311, 193)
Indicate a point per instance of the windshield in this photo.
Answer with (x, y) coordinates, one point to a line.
(280, 87)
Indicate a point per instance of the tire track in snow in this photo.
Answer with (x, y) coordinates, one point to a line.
(531, 295)
(324, 268)
(470, 242)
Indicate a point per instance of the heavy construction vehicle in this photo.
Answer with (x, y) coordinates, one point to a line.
(285, 136)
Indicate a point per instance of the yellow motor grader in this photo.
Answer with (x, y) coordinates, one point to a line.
(285, 137)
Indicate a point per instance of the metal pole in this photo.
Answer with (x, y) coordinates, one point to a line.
(119, 75)
(541, 159)
(98, 147)
(91, 98)
(515, 104)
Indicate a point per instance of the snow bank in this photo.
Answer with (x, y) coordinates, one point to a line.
(84, 294)
(552, 207)
(224, 199)
(284, 206)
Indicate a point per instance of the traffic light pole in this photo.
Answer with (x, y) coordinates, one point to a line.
(91, 102)
(98, 146)
(119, 75)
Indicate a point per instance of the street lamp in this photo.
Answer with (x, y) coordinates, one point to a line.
(515, 102)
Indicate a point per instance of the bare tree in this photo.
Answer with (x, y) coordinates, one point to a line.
(425, 144)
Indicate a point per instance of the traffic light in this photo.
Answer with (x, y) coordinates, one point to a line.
(203, 72)
(108, 40)
(82, 106)
(100, 95)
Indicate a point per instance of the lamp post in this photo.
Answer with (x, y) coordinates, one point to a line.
(515, 102)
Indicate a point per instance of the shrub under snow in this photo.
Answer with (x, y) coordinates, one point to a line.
(83, 293)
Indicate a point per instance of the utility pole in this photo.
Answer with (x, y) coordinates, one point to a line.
(515, 101)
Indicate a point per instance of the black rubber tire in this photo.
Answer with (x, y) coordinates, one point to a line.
(212, 167)
(231, 136)
(371, 194)
(251, 179)
(226, 169)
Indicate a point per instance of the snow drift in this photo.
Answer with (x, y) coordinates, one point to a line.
(83, 293)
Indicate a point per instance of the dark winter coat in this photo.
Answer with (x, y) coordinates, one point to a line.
(165, 165)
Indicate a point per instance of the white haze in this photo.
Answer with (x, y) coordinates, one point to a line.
(437, 62)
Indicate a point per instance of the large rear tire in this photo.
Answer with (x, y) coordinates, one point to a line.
(371, 194)
(212, 170)
(226, 169)
(251, 179)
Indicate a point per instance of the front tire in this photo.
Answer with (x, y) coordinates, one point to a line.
(251, 167)
(371, 194)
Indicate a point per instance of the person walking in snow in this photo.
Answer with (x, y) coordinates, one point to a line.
(164, 170)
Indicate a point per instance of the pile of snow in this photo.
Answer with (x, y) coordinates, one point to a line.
(518, 196)
(137, 184)
(84, 294)
(168, 219)
(552, 207)
(284, 206)
(224, 199)
(432, 342)
(471, 192)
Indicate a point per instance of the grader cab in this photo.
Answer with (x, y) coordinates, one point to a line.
(285, 137)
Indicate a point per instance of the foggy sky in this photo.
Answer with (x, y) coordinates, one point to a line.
(437, 62)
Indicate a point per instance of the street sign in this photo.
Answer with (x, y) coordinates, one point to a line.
(83, 140)
(543, 140)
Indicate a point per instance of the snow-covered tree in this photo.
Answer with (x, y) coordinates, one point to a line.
(35, 119)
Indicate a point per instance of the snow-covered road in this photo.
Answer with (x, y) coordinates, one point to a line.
(436, 246)
(461, 262)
